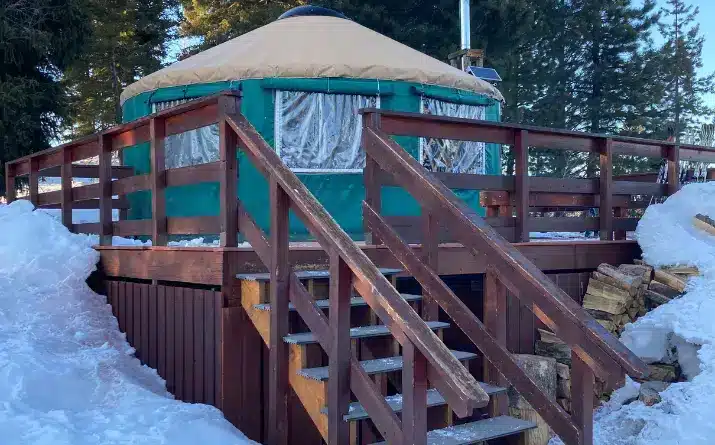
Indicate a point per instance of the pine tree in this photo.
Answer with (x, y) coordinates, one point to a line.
(38, 39)
(682, 58)
(129, 40)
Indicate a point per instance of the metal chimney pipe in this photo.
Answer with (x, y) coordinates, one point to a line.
(464, 19)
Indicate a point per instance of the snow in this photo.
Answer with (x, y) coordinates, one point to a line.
(67, 375)
(682, 330)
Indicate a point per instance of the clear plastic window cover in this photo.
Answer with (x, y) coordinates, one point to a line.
(193, 147)
(320, 131)
(446, 155)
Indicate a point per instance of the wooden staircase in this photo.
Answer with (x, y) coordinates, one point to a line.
(392, 368)
(380, 358)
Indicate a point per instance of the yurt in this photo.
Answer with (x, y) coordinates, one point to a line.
(303, 79)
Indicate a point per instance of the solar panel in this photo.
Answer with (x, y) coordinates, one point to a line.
(488, 74)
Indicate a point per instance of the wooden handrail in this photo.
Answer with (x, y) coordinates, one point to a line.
(455, 383)
(599, 349)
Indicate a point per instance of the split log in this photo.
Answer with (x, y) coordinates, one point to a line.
(690, 271)
(563, 388)
(615, 283)
(645, 272)
(671, 280)
(633, 312)
(558, 351)
(563, 371)
(705, 223)
(542, 371)
(549, 337)
(654, 299)
(565, 404)
(605, 303)
(607, 325)
(662, 372)
(657, 286)
(612, 272)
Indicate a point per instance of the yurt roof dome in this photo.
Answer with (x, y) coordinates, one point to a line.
(311, 46)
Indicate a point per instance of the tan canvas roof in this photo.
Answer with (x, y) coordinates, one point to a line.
(311, 47)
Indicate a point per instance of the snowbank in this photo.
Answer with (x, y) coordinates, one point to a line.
(682, 330)
(67, 375)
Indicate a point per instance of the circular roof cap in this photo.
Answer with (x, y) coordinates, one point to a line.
(307, 10)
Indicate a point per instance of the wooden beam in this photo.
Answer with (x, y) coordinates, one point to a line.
(278, 349)
(414, 395)
(9, 182)
(66, 190)
(372, 175)
(430, 251)
(495, 310)
(582, 394)
(521, 157)
(105, 189)
(340, 351)
(158, 182)
(606, 190)
(229, 172)
(34, 181)
(673, 169)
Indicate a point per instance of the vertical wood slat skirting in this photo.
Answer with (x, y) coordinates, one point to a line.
(278, 349)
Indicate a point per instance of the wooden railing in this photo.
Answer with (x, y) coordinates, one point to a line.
(595, 352)
(509, 199)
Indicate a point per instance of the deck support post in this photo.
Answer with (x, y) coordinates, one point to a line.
(105, 190)
(340, 351)
(66, 187)
(414, 395)
(495, 310)
(582, 393)
(34, 181)
(430, 250)
(371, 175)
(278, 349)
(157, 132)
(521, 158)
(606, 190)
(673, 156)
(9, 182)
(228, 142)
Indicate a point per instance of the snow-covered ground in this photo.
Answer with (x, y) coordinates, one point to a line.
(682, 330)
(67, 375)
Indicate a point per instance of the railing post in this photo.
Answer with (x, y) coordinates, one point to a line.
(582, 393)
(278, 349)
(229, 171)
(605, 210)
(157, 133)
(414, 395)
(430, 248)
(9, 182)
(521, 158)
(340, 351)
(495, 310)
(66, 184)
(371, 175)
(673, 169)
(34, 181)
(105, 190)
(619, 212)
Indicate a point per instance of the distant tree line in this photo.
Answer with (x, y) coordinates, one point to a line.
(627, 67)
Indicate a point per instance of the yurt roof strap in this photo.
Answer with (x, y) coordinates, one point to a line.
(365, 87)
(452, 95)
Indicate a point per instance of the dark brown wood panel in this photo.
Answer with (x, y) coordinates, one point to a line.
(198, 225)
(193, 174)
(131, 184)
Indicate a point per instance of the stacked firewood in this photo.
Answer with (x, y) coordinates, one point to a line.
(618, 296)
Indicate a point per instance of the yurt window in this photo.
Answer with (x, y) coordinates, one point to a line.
(319, 132)
(193, 147)
(446, 155)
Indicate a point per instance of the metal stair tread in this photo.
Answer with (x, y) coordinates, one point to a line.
(306, 274)
(374, 366)
(359, 332)
(434, 398)
(323, 304)
(478, 431)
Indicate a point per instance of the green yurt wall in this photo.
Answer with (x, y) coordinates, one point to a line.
(341, 193)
